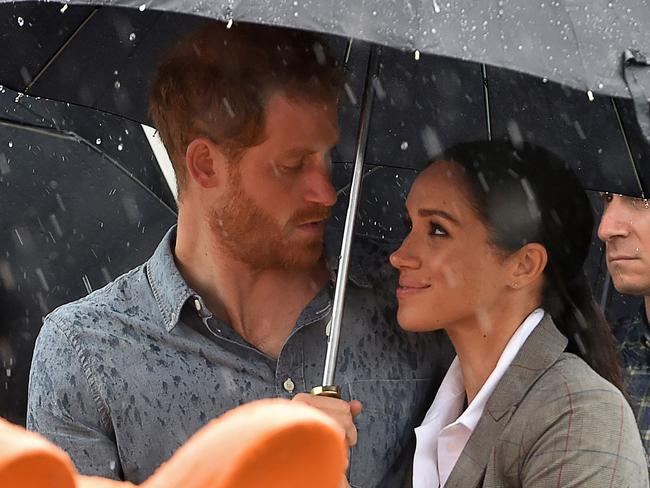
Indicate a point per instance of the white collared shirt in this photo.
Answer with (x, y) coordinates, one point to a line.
(444, 432)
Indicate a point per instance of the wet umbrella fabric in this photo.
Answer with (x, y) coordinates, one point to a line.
(579, 43)
(422, 104)
(73, 218)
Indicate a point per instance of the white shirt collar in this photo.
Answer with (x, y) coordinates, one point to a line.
(445, 430)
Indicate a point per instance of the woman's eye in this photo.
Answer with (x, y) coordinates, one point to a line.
(438, 230)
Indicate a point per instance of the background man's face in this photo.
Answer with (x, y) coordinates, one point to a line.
(625, 229)
(280, 193)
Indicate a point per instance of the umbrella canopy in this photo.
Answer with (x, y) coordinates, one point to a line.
(105, 57)
(74, 216)
(579, 43)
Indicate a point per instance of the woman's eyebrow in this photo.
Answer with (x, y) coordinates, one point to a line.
(428, 212)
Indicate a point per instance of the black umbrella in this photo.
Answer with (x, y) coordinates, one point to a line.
(75, 214)
(423, 103)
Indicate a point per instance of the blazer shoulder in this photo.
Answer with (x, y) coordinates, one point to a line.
(573, 418)
(569, 384)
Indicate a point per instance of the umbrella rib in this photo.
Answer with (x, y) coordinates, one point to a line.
(635, 169)
(60, 134)
(486, 98)
(74, 137)
(368, 173)
(130, 175)
(60, 50)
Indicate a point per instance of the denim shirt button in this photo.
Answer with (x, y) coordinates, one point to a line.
(289, 385)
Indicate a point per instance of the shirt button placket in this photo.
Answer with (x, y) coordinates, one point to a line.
(288, 385)
(288, 375)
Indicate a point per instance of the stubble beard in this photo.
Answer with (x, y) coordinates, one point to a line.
(251, 236)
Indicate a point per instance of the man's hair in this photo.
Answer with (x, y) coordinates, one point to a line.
(216, 84)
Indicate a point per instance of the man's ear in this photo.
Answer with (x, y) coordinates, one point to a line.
(205, 163)
(527, 265)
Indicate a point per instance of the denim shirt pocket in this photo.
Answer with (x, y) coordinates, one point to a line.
(391, 411)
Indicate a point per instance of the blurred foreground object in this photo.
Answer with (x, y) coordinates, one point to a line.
(255, 443)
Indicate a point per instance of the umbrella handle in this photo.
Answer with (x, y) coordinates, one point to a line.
(331, 391)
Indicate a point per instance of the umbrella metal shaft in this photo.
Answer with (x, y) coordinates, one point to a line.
(334, 326)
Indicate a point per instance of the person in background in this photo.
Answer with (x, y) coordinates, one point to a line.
(233, 306)
(625, 230)
(499, 235)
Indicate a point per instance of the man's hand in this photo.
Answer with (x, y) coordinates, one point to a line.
(340, 410)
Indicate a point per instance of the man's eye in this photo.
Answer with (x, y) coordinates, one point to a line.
(438, 230)
(291, 168)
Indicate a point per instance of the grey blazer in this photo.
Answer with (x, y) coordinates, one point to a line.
(552, 422)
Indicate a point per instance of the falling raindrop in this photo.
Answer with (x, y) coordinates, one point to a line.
(132, 37)
(514, 132)
(417, 55)
(87, 284)
(350, 94)
(11, 144)
(431, 141)
(319, 52)
(5, 169)
(590, 95)
(404, 146)
(229, 25)
(64, 8)
(120, 146)
(142, 7)
(118, 84)
(21, 21)
(98, 141)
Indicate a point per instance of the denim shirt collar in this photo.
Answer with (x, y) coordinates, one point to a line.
(169, 288)
(172, 292)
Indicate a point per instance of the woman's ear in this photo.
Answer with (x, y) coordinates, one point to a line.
(205, 163)
(527, 265)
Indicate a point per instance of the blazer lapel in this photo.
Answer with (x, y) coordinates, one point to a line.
(542, 348)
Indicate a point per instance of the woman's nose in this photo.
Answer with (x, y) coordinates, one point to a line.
(402, 258)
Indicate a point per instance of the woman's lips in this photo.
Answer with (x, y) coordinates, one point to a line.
(409, 290)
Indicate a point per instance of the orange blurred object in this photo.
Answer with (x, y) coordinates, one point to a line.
(268, 443)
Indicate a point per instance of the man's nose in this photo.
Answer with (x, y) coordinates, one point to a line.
(318, 187)
(613, 222)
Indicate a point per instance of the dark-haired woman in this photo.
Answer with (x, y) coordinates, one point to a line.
(494, 256)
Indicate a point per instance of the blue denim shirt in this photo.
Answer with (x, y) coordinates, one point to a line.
(123, 377)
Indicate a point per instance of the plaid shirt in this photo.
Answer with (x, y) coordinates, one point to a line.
(633, 334)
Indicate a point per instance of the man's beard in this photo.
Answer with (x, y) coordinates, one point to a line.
(253, 237)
